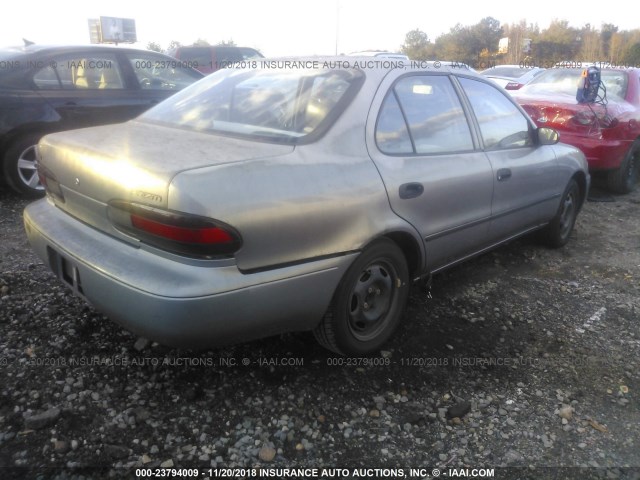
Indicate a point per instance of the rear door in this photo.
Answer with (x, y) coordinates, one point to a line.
(86, 88)
(426, 151)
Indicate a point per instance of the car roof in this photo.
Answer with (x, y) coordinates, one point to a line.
(511, 66)
(376, 53)
(211, 47)
(33, 49)
(379, 65)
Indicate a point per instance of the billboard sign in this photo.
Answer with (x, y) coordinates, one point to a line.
(112, 30)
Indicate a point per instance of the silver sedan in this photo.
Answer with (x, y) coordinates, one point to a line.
(296, 194)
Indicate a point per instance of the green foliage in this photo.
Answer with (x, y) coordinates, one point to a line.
(632, 54)
(590, 44)
(606, 32)
(416, 45)
(154, 47)
(520, 36)
(477, 45)
(560, 33)
(466, 43)
(227, 43)
(201, 42)
(173, 44)
(549, 52)
(486, 34)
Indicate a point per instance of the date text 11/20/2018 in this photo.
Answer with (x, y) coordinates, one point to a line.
(318, 473)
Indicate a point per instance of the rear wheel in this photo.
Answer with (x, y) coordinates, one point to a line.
(369, 302)
(625, 178)
(556, 233)
(20, 166)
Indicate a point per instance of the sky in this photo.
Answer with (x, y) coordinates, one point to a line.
(287, 27)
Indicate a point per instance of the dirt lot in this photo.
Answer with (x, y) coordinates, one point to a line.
(525, 360)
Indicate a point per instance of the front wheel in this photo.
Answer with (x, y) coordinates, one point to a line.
(369, 302)
(556, 233)
(20, 167)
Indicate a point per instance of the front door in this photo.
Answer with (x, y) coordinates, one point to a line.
(525, 174)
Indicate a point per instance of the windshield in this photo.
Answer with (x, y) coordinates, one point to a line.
(284, 106)
(565, 80)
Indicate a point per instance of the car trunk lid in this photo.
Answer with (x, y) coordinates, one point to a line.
(564, 113)
(133, 162)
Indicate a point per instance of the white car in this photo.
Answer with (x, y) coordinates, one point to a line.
(512, 77)
(380, 53)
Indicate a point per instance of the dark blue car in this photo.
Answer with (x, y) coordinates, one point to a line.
(50, 89)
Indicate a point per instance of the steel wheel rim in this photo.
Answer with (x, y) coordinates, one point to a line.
(28, 168)
(371, 299)
(566, 217)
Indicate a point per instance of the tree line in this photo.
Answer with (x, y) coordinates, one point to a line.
(173, 44)
(480, 45)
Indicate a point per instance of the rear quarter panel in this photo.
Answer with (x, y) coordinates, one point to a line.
(325, 198)
(309, 204)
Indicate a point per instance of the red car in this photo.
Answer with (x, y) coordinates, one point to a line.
(607, 131)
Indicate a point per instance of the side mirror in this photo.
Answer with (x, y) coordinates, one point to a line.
(547, 136)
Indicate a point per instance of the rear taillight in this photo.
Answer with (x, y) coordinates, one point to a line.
(589, 117)
(607, 121)
(513, 86)
(176, 232)
(585, 117)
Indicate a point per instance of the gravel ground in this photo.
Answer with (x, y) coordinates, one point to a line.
(525, 358)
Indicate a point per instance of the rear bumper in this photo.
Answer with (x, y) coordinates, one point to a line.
(175, 303)
(602, 154)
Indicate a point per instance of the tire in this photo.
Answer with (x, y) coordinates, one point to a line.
(556, 233)
(19, 166)
(369, 302)
(625, 178)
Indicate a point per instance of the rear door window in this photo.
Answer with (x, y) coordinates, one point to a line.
(392, 133)
(432, 112)
(83, 71)
(47, 79)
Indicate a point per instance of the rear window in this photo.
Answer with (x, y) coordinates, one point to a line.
(227, 56)
(196, 56)
(511, 72)
(565, 80)
(283, 106)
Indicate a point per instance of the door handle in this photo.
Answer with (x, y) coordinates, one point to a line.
(504, 174)
(410, 190)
